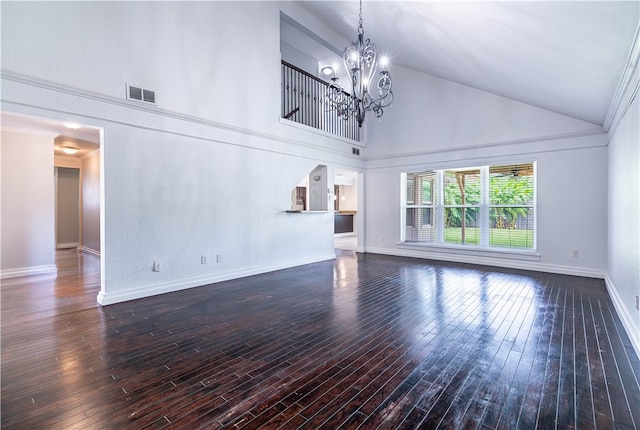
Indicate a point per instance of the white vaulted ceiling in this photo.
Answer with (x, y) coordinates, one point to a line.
(566, 57)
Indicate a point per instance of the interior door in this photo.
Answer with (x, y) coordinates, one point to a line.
(67, 207)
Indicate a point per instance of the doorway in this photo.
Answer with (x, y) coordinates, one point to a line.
(54, 199)
(347, 217)
(68, 208)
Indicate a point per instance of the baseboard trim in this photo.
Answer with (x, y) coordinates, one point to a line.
(623, 313)
(348, 234)
(67, 245)
(491, 261)
(28, 271)
(109, 298)
(89, 251)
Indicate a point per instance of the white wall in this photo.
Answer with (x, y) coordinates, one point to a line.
(623, 272)
(349, 197)
(207, 171)
(457, 126)
(299, 59)
(91, 202)
(191, 54)
(28, 221)
(430, 114)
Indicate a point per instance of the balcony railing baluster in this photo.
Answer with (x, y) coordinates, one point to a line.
(304, 102)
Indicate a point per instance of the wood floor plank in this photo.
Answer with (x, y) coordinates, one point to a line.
(366, 341)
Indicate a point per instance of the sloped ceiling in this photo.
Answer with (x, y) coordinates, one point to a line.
(566, 57)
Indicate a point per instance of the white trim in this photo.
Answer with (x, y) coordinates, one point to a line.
(347, 234)
(614, 127)
(625, 317)
(28, 271)
(470, 258)
(89, 251)
(67, 245)
(625, 79)
(487, 145)
(111, 297)
(155, 110)
(514, 254)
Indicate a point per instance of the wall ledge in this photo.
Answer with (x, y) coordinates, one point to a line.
(479, 153)
(626, 318)
(28, 271)
(491, 261)
(515, 254)
(6, 75)
(109, 298)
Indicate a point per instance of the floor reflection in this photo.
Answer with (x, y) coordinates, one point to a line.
(403, 341)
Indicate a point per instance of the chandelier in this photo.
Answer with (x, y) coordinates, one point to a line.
(360, 61)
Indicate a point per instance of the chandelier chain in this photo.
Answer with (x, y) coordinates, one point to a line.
(360, 27)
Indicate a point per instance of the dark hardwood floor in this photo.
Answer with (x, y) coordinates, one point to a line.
(365, 341)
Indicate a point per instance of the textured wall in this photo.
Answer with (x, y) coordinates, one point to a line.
(457, 126)
(433, 114)
(624, 212)
(28, 222)
(209, 169)
(91, 202)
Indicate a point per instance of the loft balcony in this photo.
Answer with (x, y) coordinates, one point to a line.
(304, 101)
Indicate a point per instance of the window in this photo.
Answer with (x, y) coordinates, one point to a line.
(462, 206)
(486, 207)
(419, 204)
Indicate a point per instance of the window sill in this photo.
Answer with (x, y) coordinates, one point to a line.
(306, 212)
(512, 254)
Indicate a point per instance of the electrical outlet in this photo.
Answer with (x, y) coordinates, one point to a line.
(219, 258)
(203, 259)
(156, 266)
(575, 254)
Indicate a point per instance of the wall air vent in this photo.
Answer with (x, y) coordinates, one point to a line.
(355, 151)
(140, 94)
(149, 96)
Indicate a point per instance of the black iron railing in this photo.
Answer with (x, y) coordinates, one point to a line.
(304, 102)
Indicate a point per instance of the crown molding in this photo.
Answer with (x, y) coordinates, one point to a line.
(625, 80)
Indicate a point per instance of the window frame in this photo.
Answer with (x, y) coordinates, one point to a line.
(417, 202)
(484, 209)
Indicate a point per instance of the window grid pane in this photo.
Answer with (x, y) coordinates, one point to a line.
(417, 230)
(504, 218)
(462, 187)
(520, 236)
(511, 195)
(511, 184)
(461, 225)
(419, 214)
